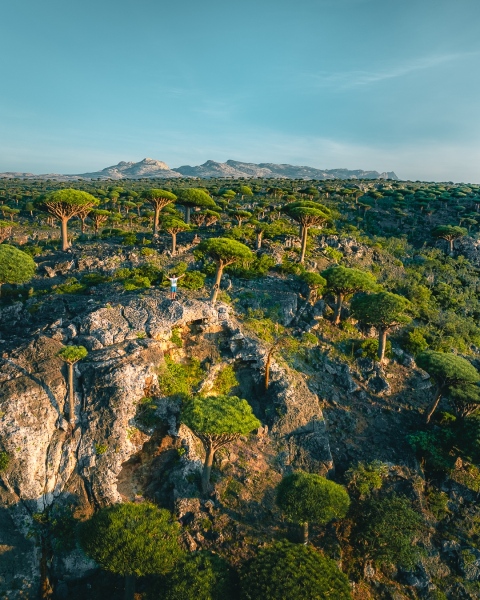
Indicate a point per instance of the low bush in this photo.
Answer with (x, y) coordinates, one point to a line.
(137, 282)
(71, 286)
(193, 280)
(370, 348)
(180, 379)
(91, 279)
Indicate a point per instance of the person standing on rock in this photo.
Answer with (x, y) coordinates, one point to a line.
(173, 285)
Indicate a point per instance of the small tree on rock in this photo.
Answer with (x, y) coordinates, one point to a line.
(132, 540)
(190, 197)
(71, 355)
(316, 285)
(343, 282)
(240, 216)
(158, 199)
(307, 214)
(211, 217)
(455, 378)
(259, 228)
(65, 204)
(217, 421)
(307, 497)
(384, 311)
(224, 252)
(287, 571)
(15, 266)
(450, 233)
(99, 217)
(174, 226)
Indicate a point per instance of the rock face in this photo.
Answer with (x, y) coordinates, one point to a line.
(148, 167)
(151, 168)
(289, 408)
(53, 463)
(233, 168)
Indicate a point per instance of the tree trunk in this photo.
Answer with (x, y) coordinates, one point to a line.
(155, 220)
(216, 286)
(83, 226)
(433, 406)
(304, 244)
(187, 214)
(207, 467)
(174, 242)
(46, 589)
(71, 400)
(129, 587)
(64, 233)
(450, 242)
(267, 368)
(259, 239)
(382, 342)
(338, 309)
(305, 533)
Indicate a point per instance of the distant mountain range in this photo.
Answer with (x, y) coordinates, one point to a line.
(155, 169)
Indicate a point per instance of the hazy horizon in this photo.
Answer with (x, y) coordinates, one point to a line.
(355, 84)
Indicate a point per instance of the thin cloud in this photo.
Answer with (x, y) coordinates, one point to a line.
(350, 79)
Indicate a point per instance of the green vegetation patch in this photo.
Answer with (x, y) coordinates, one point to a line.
(180, 379)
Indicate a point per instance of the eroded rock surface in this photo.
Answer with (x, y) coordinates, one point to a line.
(54, 463)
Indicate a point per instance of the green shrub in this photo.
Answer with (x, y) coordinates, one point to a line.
(199, 576)
(4, 461)
(129, 239)
(292, 571)
(113, 232)
(366, 477)
(33, 250)
(146, 410)
(176, 338)
(309, 339)
(91, 279)
(148, 251)
(122, 273)
(180, 379)
(71, 286)
(279, 227)
(414, 342)
(469, 476)
(370, 348)
(266, 329)
(290, 267)
(137, 282)
(100, 449)
(259, 267)
(225, 381)
(387, 530)
(152, 272)
(333, 254)
(193, 280)
(434, 446)
(438, 504)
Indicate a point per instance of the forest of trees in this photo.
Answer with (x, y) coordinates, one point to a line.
(407, 286)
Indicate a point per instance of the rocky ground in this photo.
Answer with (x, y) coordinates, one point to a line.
(323, 412)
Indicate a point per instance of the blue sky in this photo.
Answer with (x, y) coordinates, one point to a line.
(371, 84)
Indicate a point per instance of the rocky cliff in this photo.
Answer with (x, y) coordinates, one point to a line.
(54, 464)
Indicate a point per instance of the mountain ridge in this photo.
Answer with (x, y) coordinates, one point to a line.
(153, 169)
